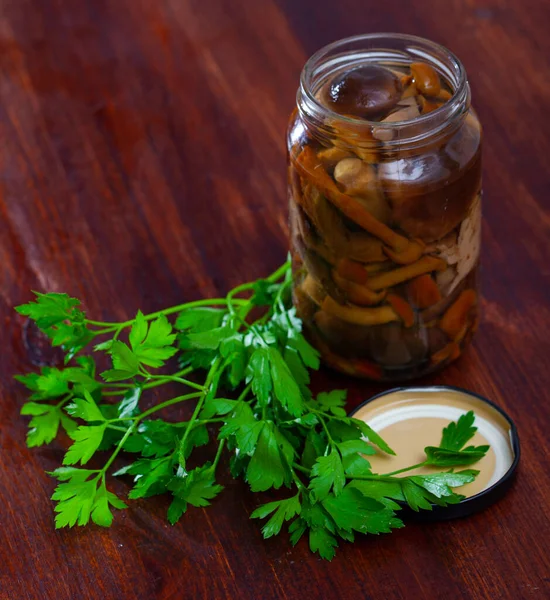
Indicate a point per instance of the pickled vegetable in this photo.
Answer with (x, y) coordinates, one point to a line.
(387, 239)
(365, 92)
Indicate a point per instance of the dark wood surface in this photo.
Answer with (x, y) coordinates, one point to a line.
(142, 161)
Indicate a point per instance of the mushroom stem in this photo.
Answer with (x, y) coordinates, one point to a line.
(411, 253)
(390, 278)
(358, 294)
(359, 316)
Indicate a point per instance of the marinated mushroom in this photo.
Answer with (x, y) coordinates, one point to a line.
(356, 177)
(386, 239)
(365, 92)
(426, 79)
(359, 315)
(333, 155)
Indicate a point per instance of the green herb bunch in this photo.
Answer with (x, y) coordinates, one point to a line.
(244, 365)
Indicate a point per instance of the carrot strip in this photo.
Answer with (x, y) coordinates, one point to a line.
(365, 368)
(456, 316)
(402, 308)
(354, 271)
(423, 291)
(449, 352)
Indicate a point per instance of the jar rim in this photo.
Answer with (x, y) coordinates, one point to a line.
(426, 49)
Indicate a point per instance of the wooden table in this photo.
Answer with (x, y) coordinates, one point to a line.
(142, 162)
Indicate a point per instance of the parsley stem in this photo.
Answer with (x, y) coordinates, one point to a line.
(117, 427)
(330, 440)
(168, 311)
(117, 385)
(64, 400)
(244, 287)
(376, 477)
(208, 388)
(108, 326)
(252, 328)
(159, 380)
(167, 378)
(181, 373)
(118, 449)
(405, 469)
(218, 455)
(165, 404)
(296, 479)
(302, 469)
(279, 272)
(244, 393)
(101, 331)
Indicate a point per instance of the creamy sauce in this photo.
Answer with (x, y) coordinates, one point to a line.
(409, 420)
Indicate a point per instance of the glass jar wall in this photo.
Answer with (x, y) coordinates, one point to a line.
(385, 206)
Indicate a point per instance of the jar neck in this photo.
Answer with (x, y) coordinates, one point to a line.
(391, 50)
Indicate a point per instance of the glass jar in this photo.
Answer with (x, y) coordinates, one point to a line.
(385, 215)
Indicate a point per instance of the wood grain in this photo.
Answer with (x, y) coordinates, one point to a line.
(130, 133)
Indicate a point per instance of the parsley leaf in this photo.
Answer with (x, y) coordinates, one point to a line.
(284, 511)
(264, 292)
(314, 446)
(128, 406)
(372, 436)
(456, 434)
(205, 340)
(51, 383)
(352, 510)
(125, 363)
(328, 473)
(50, 309)
(321, 541)
(196, 487)
(79, 498)
(198, 320)
(153, 438)
(333, 402)
(439, 457)
(285, 387)
(251, 341)
(151, 477)
(352, 451)
(268, 467)
(101, 512)
(308, 354)
(85, 408)
(87, 439)
(440, 484)
(450, 452)
(152, 344)
(44, 424)
(259, 374)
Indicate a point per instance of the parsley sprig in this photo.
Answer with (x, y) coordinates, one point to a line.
(245, 366)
